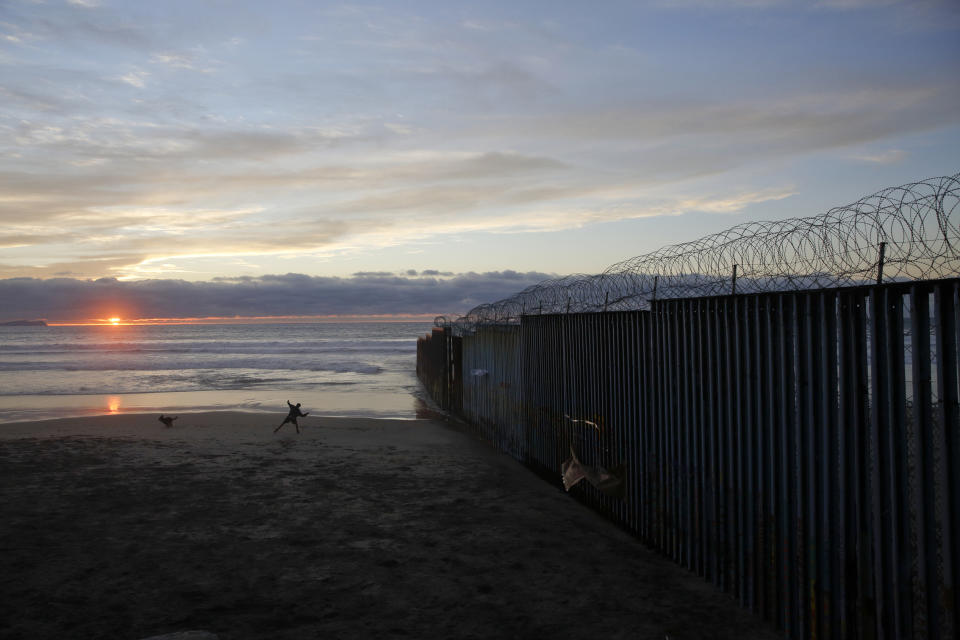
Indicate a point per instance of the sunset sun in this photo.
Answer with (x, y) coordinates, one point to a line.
(114, 321)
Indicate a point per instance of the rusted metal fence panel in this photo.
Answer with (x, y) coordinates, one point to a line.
(543, 391)
(800, 450)
(492, 385)
(439, 367)
(584, 386)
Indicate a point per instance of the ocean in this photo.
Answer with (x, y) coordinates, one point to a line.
(332, 369)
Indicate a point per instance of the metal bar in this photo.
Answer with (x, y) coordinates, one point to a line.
(787, 396)
(687, 466)
(748, 487)
(640, 390)
(844, 602)
(798, 487)
(626, 366)
(947, 438)
(713, 475)
(694, 425)
(569, 389)
(672, 434)
(649, 395)
(538, 356)
(728, 521)
(900, 560)
(681, 437)
(761, 396)
(660, 463)
(739, 451)
(920, 464)
(829, 402)
(702, 441)
(878, 422)
(774, 597)
(594, 325)
(575, 396)
(883, 249)
(811, 461)
(863, 464)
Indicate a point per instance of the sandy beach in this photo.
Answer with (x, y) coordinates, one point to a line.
(116, 527)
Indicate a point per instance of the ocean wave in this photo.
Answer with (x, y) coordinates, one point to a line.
(175, 382)
(218, 348)
(75, 361)
(156, 364)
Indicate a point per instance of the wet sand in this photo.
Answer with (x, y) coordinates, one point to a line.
(116, 527)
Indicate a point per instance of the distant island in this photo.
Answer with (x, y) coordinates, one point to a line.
(24, 323)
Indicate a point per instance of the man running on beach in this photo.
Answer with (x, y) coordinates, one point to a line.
(292, 416)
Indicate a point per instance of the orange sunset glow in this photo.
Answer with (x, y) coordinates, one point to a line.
(288, 319)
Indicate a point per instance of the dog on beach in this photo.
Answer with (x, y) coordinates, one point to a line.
(167, 420)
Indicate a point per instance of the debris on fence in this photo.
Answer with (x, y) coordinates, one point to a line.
(609, 482)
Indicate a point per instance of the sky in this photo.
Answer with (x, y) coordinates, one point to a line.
(189, 158)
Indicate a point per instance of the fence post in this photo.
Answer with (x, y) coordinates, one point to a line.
(883, 250)
(733, 290)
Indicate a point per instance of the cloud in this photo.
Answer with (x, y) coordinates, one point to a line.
(390, 127)
(136, 79)
(718, 5)
(94, 29)
(149, 215)
(854, 4)
(91, 234)
(890, 156)
(67, 299)
(186, 61)
(812, 120)
(770, 4)
(131, 139)
(730, 203)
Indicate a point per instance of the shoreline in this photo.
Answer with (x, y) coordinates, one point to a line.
(117, 527)
(422, 413)
(406, 404)
(233, 424)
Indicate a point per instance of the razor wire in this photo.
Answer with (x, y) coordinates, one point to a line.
(910, 232)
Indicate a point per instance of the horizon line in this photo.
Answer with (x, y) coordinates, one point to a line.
(286, 319)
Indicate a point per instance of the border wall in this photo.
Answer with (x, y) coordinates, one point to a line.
(800, 450)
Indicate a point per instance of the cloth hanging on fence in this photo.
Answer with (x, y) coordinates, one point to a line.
(609, 482)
